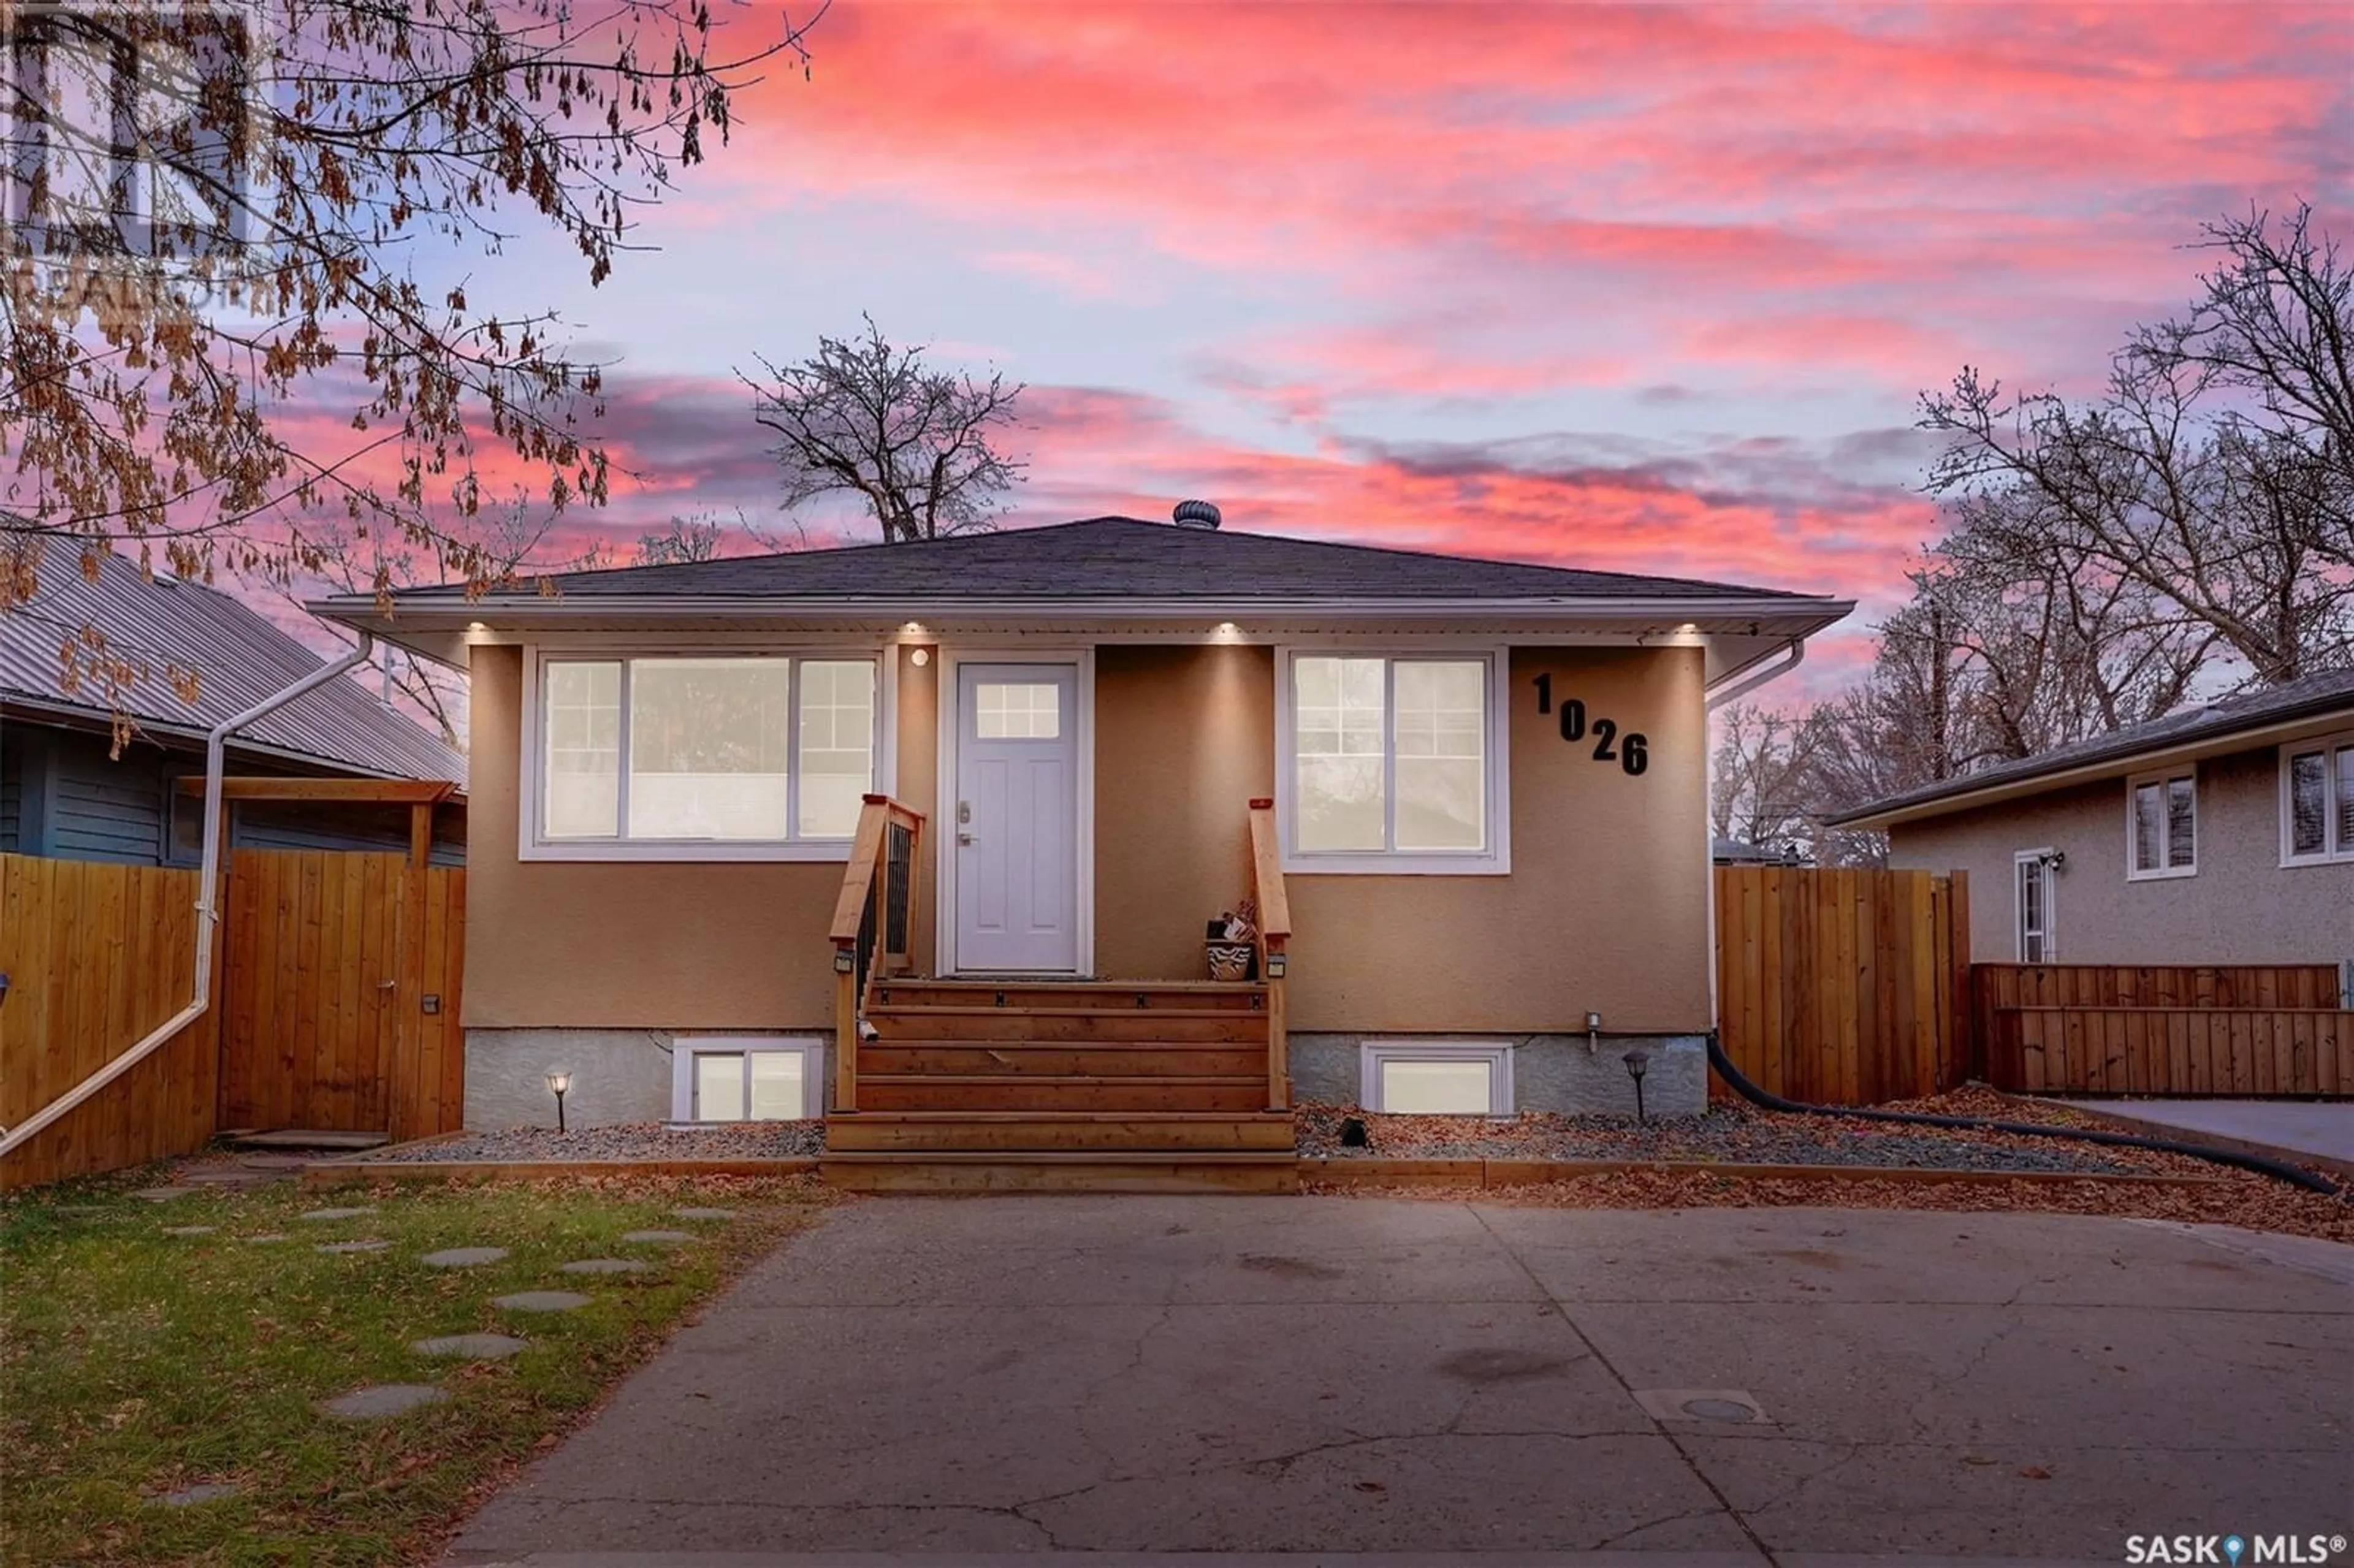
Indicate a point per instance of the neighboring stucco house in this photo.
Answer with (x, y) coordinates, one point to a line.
(66, 790)
(1490, 780)
(2220, 835)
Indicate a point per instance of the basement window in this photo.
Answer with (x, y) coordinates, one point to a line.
(716, 1079)
(1431, 1077)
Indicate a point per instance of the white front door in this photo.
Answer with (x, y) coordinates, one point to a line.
(1016, 818)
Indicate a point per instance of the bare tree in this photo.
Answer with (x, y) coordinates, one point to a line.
(2211, 482)
(1759, 791)
(864, 418)
(162, 382)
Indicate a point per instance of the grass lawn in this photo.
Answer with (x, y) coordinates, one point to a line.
(133, 1361)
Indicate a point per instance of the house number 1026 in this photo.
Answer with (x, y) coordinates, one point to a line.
(1631, 751)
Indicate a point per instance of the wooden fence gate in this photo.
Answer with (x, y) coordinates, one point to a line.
(339, 1010)
(1844, 987)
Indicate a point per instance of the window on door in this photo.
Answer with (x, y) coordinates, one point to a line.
(747, 1080)
(2033, 871)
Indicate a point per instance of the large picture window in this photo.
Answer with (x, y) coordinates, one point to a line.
(1393, 762)
(721, 749)
(2318, 799)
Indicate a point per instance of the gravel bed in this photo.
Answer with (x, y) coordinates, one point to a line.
(625, 1141)
(1728, 1134)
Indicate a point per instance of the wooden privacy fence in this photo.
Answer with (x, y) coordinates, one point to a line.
(2185, 1029)
(96, 957)
(2173, 1051)
(1843, 987)
(336, 1000)
(341, 1008)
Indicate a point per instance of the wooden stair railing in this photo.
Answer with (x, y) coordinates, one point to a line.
(876, 911)
(1273, 937)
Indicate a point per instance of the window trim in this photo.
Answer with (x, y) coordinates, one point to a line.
(2163, 778)
(2044, 857)
(685, 1048)
(2333, 850)
(1374, 1055)
(531, 841)
(1496, 860)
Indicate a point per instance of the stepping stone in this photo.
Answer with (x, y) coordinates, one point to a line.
(703, 1214)
(188, 1230)
(541, 1301)
(474, 1346)
(162, 1194)
(463, 1256)
(188, 1497)
(606, 1265)
(384, 1399)
(665, 1237)
(354, 1247)
(337, 1213)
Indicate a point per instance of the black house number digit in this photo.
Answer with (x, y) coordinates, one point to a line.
(1631, 751)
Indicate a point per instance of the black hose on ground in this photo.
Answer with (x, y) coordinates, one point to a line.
(2263, 1166)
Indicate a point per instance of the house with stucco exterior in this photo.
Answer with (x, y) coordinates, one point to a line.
(1100, 839)
(2222, 834)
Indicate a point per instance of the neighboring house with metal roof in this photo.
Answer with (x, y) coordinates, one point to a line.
(63, 795)
(2219, 834)
(1482, 800)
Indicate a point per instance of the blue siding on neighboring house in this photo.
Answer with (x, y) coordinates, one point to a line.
(65, 797)
(101, 810)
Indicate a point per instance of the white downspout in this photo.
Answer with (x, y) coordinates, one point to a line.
(1792, 657)
(207, 907)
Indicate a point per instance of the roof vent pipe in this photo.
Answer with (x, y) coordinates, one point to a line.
(1195, 514)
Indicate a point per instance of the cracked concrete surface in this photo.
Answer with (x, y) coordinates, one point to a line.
(1338, 1376)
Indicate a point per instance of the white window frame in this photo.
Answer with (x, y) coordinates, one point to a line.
(1496, 860)
(2051, 906)
(2333, 849)
(2164, 779)
(1373, 1054)
(685, 1049)
(532, 842)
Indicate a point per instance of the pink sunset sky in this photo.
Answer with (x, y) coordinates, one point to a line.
(1651, 287)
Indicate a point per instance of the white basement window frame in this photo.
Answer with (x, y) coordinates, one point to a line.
(2162, 823)
(698, 1061)
(2316, 800)
(1375, 1088)
(1376, 729)
(607, 681)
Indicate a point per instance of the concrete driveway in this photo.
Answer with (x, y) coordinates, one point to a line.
(1335, 1376)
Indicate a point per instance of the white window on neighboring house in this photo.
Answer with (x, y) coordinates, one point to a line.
(2033, 906)
(2318, 799)
(1392, 762)
(701, 756)
(756, 1078)
(1435, 1078)
(2162, 824)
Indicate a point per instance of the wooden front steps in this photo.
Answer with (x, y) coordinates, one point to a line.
(1066, 1085)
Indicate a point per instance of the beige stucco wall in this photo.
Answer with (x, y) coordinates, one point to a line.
(2243, 906)
(668, 944)
(1606, 908)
